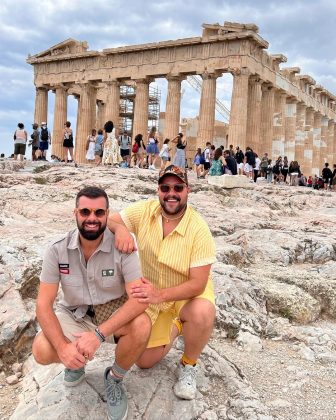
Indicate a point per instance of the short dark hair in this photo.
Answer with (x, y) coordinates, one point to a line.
(100, 131)
(92, 192)
(166, 141)
(227, 152)
(21, 126)
(68, 124)
(138, 138)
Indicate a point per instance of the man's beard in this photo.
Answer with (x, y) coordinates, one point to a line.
(178, 209)
(91, 235)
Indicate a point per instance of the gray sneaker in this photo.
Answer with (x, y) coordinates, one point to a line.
(117, 404)
(185, 386)
(73, 377)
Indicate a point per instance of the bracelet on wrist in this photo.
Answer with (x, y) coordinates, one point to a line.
(100, 335)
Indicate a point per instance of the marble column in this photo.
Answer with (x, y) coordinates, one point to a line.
(77, 97)
(316, 144)
(93, 98)
(100, 115)
(173, 107)
(112, 102)
(140, 122)
(60, 118)
(83, 121)
(206, 126)
(334, 147)
(238, 112)
(330, 143)
(306, 165)
(267, 114)
(279, 125)
(41, 105)
(254, 113)
(324, 142)
(300, 133)
(290, 130)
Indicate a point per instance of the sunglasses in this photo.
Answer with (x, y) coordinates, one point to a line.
(86, 212)
(164, 188)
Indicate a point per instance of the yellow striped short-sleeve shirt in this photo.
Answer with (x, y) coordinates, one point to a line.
(166, 261)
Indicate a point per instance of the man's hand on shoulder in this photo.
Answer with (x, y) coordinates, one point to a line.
(124, 241)
(145, 292)
(70, 356)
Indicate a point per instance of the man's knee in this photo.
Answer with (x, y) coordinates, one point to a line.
(42, 350)
(200, 312)
(140, 327)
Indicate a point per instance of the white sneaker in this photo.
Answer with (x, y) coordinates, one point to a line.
(185, 386)
(152, 167)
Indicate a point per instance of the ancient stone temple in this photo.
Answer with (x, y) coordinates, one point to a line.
(278, 111)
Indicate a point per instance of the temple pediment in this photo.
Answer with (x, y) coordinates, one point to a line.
(69, 46)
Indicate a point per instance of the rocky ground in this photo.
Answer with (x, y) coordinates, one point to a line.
(273, 351)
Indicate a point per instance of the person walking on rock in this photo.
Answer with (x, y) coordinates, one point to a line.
(91, 146)
(96, 279)
(176, 251)
(45, 140)
(180, 155)
(111, 154)
(20, 140)
(35, 141)
(68, 145)
(125, 148)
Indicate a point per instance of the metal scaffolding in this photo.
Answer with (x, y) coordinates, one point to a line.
(127, 98)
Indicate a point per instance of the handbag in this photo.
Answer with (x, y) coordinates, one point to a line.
(104, 311)
(135, 148)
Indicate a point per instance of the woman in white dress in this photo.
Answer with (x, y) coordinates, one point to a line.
(90, 146)
(111, 154)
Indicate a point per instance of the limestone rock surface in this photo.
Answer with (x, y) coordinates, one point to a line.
(275, 298)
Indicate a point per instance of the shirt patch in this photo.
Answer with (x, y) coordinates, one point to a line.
(64, 268)
(108, 272)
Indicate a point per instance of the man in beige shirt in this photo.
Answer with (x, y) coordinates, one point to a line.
(91, 272)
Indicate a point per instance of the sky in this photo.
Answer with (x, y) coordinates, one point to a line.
(301, 30)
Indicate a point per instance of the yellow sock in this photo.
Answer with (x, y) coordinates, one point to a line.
(178, 324)
(186, 361)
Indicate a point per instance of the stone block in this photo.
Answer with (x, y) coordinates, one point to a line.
(231, 181)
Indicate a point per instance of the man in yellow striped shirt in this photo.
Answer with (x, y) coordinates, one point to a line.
(176, 252)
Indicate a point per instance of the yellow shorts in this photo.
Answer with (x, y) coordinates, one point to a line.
(162, 326)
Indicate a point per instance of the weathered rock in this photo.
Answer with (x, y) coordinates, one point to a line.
(276, 256)
(291, 302)
(12, 380)
(17, 367)
(230, 181)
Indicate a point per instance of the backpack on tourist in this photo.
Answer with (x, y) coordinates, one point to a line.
(135, 148)
(44, 136)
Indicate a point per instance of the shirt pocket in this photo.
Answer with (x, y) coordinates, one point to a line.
(109, 282)
(73, 290)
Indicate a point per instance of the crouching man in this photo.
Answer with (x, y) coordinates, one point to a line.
(176, 251)
(96, 280)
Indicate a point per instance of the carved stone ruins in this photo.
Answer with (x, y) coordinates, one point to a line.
(273, 110)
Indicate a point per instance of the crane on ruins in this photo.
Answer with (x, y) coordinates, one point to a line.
(220, 107)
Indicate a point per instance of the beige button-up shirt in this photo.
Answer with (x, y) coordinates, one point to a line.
(99, 280)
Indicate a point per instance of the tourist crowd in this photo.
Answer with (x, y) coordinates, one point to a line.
(104, 148)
